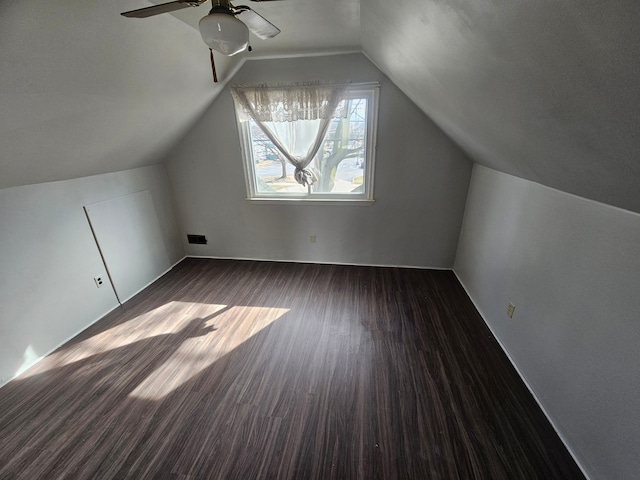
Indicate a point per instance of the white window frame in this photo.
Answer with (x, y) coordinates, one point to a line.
(369, 91)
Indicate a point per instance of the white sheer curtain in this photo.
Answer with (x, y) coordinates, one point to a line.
(294, 117)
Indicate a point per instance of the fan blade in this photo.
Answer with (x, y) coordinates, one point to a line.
(259, 26)
(162, 8)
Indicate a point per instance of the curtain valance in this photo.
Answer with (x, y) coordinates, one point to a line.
(289, 103)
(308, 108)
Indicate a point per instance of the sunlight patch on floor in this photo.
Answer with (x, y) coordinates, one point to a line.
(164, 320)
(207, 343)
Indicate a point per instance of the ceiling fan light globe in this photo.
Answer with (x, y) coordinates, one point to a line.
(224, 33)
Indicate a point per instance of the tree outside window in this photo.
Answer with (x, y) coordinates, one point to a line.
(343, 165)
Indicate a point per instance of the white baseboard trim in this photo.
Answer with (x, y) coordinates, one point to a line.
(506, 352)
(563, 439)
(53, 349)
(118, 305)
(315, 262)
(152, 281)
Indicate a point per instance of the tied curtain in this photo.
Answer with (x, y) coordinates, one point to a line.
(294, 117)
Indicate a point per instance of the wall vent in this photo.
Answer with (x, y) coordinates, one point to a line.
(198, 239)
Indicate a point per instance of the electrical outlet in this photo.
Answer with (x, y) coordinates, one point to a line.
(99, 280)
(510, 309)
(312, 238)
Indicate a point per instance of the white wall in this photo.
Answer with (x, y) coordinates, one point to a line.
(48, 258)
(572, 268)
(420, 186)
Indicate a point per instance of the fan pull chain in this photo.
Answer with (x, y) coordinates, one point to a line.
(213, 67)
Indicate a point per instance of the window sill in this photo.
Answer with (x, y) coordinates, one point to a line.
(312, 201)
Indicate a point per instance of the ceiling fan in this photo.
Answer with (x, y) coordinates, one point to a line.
(225, 29)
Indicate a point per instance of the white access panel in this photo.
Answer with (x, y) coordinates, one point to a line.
(130, 240)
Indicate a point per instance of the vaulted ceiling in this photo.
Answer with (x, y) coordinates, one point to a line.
(546, 90)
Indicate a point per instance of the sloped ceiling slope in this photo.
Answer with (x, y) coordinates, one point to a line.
(546, 90)
(85, 91)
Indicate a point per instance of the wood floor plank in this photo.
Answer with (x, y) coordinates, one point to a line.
(239, 370)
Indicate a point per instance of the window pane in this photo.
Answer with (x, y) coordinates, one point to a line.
(271, 177)
(340, 165)
(273, 173)
(340, 162)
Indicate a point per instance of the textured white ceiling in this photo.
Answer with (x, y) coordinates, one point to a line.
(84, 90)
(306, 25)
(545, 90)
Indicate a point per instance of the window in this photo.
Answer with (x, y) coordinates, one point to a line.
(341, 170)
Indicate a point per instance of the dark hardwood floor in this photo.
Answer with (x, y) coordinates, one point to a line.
(245, 370)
